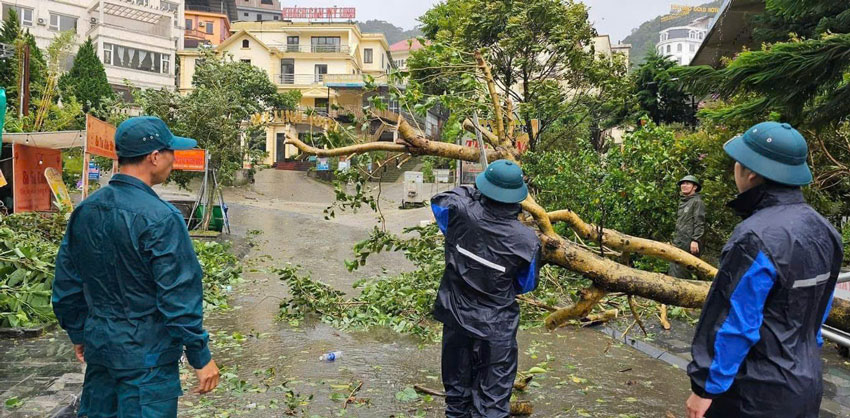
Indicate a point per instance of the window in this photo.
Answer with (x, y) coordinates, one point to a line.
(246, 60)
(107, 54)
(668, 48)
(320, 71)
(188, 24)
(287, 71)
(382, 60)
(136, 59)
(210, 27)
(259, 17)
(693, 48)
(292, 43)
(168, 6)
(245, 43)
(269, 2)
(276, 17)
(62, 23)
(321, 105)
(678, 47)
(246, 13)
(24, 14)
(325, 43)
(367, 55)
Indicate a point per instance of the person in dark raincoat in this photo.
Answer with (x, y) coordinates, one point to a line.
(690, 223)
(490, 258)
(127, 288)
(756, 351)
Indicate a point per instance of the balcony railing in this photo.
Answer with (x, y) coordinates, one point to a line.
(319, 49)
(354, 78)
(194, 33)
(302, 79)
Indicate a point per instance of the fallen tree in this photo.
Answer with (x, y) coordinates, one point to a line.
(606, 274)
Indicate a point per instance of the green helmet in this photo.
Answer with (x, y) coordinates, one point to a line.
(773, 150)
(691, 179)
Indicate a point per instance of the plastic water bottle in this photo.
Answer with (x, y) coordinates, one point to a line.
(333, 355)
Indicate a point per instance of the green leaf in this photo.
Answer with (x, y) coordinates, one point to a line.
(407, 395)
(13, 402)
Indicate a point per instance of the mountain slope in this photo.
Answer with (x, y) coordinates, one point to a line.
(392, 32)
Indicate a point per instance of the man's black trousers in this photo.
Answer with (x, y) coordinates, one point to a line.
(478, 374)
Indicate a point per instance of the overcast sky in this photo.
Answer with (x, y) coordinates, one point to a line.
(616, 18)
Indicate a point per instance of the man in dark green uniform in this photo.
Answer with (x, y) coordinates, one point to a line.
(128, 285)
(690, 223)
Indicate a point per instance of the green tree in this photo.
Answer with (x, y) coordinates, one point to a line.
(659, 96)
(542, 56)
(11, 27)
(10, 76)
(226, 95)
(87, 79)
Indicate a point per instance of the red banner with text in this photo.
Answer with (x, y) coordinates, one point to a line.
(31, 190)
(190, 160)
(100, 138)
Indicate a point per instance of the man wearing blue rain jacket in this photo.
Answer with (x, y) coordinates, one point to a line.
(490, 258)
(756, 351)
(128, 285)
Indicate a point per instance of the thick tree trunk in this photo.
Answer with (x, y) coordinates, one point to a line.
(623, 242)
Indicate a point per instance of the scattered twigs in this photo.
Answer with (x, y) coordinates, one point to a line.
(633, 308)
(536, 303)
(428, 391)
(351, 398)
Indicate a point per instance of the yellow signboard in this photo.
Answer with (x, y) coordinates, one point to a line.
(54, 180)
(3, 182)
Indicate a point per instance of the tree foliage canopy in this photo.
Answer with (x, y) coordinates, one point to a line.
(659, 95)
(87, 79)
(542, 56)
(801, 77)
(225, 94)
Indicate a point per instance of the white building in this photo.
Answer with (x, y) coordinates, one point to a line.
(136, 40)
(681, 43)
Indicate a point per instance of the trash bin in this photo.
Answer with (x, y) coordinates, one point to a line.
(217, 219)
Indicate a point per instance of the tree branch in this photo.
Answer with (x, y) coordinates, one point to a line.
(627, 243)
(494, 97)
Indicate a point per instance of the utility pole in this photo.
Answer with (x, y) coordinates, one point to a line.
(24, 93)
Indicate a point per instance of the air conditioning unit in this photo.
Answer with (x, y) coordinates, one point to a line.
(41, 21)
(93, 21)
(201, 24)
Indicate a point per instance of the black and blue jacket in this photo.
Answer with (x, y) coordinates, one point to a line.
(758, 340)
(490, 258)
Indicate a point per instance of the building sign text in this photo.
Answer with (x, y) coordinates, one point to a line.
(319, 12)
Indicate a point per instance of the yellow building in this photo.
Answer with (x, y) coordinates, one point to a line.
(326, 62)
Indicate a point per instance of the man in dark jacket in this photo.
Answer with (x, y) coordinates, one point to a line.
(690, 223)
(756, 352)
(490, 258)
(128, 285)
